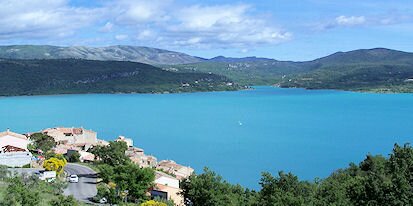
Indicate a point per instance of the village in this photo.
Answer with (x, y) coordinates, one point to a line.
(16, 153)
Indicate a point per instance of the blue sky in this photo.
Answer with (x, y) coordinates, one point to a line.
(280, 29)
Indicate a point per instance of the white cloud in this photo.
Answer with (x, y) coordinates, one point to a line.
(108, 27)
(163, 23)
(139, 11)
(224, 26)
(146, 34)
(357, 21)
(121, 37)
(350, 20)
(42, 18)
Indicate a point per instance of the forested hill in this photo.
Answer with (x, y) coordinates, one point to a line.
(65, 76)
(381, 70)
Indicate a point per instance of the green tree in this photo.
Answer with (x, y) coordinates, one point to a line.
(209, 189)
(400, 167)
(64, 201)
(42, 141)
(74, 157)
(21, 193)
(286, 189)
(3, 172)
(113, 154)
(371, 185)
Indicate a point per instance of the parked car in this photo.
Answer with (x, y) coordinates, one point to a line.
(73, 179)
(103, 201)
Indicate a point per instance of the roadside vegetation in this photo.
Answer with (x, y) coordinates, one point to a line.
(31, 191)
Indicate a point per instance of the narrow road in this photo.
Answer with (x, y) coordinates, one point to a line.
(86, 187)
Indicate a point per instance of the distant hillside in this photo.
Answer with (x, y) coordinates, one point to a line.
(66, 76)
(380, 70)
(249, 71)
(117, 53)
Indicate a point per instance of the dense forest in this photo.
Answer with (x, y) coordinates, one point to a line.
(376, 181)
(65, 76)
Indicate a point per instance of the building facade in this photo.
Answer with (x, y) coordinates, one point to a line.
(13, 149)
(72, 136)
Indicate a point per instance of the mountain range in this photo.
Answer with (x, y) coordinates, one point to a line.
(116, 53)
(378, 69)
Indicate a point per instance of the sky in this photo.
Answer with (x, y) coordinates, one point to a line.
(296, 30)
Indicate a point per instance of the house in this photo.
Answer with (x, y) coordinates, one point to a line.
(102, 142)
(128, 141)
(86, 156)
(167, 187)
(13, 149)
(137, 156)
(72, 136)
(171, 167)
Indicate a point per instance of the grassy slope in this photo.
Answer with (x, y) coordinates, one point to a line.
(33, 77)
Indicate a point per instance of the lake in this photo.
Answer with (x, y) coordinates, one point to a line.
(237, 134)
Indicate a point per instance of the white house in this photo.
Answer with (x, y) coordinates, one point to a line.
(9, 138)
(167, 187)
(165, 179)
(13, 149)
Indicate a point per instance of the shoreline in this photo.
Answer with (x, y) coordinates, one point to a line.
(127, 93)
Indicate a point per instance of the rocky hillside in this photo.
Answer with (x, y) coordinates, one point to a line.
(118, 53)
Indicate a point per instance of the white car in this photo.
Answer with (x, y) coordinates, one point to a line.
(73, 179)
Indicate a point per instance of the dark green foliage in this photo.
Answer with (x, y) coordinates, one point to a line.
(21, 192)
(42, 141)
(3, 172)
(66, 76)
(64, 201)
(208, 189)
(376, 181)
(113, 154)
(119, 174)
(285, 189)
(26, 166)
(124, 177)
(73, 157)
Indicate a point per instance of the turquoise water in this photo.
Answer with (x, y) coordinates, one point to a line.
(238, 134)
